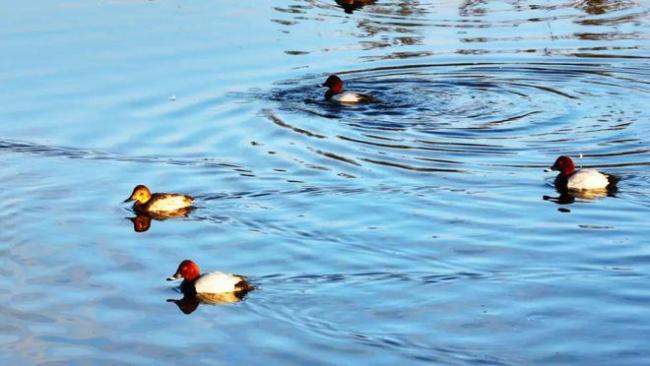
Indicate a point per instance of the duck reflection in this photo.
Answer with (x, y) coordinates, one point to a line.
(473, 8)
(142, 221)
(385, 25)
(568, 196)
(405, 32)
(565, 198)
(189, 303)
(349, 6)
(598, 7)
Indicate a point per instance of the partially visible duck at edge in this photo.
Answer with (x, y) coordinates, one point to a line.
(336, 93)
(349, 6)
(581, 180)
(159, 205)
(202, 285)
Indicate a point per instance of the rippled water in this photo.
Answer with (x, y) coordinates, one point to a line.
(420, 229)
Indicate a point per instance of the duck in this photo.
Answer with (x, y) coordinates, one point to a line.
(349, 6)
(204, 285)
(572, 179)
(160, 205)
(335, 92)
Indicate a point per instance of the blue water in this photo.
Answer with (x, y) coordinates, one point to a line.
(410, 231)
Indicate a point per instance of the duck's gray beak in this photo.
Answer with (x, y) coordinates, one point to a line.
(175, 277)
(551, 168)
(128, 200)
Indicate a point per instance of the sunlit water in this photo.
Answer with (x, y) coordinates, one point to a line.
(410, 231)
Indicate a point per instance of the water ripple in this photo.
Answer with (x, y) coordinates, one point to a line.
(442, 108)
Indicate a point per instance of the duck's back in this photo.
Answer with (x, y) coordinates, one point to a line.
(587, 179)
(165, 202)
(217, 282)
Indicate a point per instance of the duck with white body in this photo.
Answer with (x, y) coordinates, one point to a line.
(573, 179)
(160, 205)
(336, 93)
(196, 283)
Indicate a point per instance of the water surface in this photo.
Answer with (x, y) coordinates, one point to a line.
(411, 231)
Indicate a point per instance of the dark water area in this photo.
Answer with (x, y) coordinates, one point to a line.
(420, 229)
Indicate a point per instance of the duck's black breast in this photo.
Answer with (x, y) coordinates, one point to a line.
(140, 207)
(187, 287)
(561, 182)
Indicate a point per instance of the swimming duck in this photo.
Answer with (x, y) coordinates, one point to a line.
(574, 179)
(206, 284)
(159, 205)
(335, 92)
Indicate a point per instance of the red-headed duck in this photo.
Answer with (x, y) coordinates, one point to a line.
(159, 205)
(574, 179)
(196, 284)
(336, 93)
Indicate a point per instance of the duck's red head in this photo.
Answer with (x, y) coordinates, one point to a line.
(187, 270)
(564, 165)
(334, 83)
